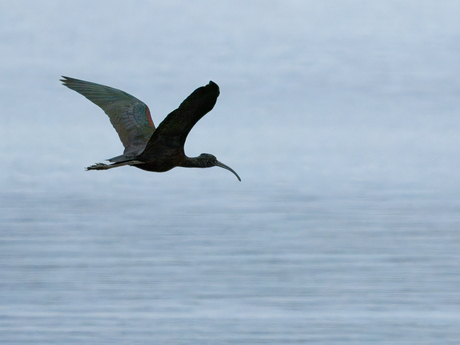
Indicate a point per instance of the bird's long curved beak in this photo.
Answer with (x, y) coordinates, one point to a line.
(222, 165)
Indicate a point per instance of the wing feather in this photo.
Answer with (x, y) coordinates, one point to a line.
(129, 116)
(176, 126)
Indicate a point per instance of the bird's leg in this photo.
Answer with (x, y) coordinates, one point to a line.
(102, 166)
(98, 166)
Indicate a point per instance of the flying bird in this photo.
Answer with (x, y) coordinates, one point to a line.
(146, 147)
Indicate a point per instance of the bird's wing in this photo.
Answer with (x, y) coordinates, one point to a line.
(176, 126)
(129, 116)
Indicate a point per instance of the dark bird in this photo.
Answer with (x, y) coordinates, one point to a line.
(147, 148)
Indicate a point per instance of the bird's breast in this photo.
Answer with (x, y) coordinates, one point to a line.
(161, 160)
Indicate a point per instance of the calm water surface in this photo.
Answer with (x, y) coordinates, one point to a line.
(275, 269)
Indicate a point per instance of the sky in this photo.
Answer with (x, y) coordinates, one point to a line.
(343, 93)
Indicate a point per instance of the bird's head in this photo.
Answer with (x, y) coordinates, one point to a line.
(207, 160)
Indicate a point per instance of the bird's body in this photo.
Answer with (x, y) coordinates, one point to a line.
(147, 148)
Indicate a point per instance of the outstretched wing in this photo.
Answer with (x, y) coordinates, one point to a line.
(129, 116)
(176, 126)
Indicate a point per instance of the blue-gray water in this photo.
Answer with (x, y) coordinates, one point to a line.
(341, 119)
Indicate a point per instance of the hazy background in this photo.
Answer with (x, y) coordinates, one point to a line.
(341, 117)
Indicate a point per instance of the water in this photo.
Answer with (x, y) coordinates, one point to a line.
(341, 121)
(278, 269)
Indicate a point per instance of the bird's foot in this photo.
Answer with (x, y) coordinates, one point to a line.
(98, 166)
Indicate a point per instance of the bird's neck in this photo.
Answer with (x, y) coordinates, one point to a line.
(193, 162)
